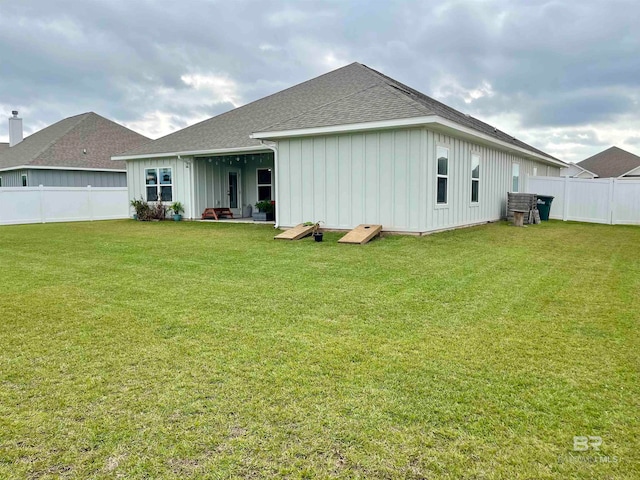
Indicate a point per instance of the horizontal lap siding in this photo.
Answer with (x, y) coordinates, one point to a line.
(345, 180)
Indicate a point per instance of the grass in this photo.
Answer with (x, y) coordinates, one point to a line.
(191, 350)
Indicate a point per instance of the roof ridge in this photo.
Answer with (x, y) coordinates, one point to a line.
(55, 140)
(413, 92)
(320, 106)
(381, 84)
(410, 101)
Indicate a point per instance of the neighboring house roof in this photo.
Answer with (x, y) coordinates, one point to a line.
(3, 147)
(575, 170)
(613, 162)
(63, 145)
(348, 95)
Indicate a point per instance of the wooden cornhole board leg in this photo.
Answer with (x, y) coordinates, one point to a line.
(361, 234)
(295, 233)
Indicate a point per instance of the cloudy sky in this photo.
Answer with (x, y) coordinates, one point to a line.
(563, 76)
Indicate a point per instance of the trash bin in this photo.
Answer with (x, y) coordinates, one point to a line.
(544, 206)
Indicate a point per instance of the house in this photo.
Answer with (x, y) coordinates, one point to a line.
(613, 163)
(351, 146)
(576, 171)
(74, 152)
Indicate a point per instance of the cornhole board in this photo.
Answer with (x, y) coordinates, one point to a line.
(361, 234)
(295, 233)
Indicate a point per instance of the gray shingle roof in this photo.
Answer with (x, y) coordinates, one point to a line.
(351, 94)
(612, 162)
(3, 147)
(62, 144)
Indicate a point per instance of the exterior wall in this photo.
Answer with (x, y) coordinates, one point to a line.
(210, 186)
(389, 178)
(495, 182)
(76, 178)
(13, 178)
(181, 177)
(64, 178)
(345, 180)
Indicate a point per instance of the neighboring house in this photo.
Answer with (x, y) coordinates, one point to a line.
(613, 163)
(74, 152)
(576, 171)
(351, 146)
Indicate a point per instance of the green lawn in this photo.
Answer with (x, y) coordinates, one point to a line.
(166, 350)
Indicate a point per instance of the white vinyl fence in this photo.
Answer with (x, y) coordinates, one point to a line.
(605, 200)
(61, 204)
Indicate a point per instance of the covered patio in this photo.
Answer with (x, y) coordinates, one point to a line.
(234, 181)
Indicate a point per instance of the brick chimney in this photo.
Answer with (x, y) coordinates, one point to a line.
(15, 129)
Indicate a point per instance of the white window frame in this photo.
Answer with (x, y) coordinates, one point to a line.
(439, 176)
(24, 180)
(158, 185)
(515, 166)
(258, 185)
(476, 180)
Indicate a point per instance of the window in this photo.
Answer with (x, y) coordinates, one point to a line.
(442, 154)
(24, 180)
(159, 183)
(265, 187)
(475, 177)
(0, 181)
(515, 175)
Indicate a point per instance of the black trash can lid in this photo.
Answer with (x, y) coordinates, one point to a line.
(545, 197)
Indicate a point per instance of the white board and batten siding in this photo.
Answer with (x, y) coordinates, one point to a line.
(606, 200)
(180, 174)
(389, 177)
(210, 187)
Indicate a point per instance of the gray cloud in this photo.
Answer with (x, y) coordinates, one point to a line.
(541, 64)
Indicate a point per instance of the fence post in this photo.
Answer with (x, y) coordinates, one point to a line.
(565, 212)
(90, 202)
(612, 187)
(42, 217)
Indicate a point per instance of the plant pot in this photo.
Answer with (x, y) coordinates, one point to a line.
(135, 216)
(177, 217)
(318, 236)
(263, 217)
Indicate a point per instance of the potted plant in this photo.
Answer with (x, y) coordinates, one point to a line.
(316, 233)
(178, 210)
(264, 212)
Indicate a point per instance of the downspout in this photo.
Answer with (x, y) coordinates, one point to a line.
(273, 146)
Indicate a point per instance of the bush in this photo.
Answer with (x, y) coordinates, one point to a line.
(146, 212)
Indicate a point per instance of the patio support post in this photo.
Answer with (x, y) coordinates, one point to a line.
(273, 146)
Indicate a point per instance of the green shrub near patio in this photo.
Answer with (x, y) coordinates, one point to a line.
(191, 350)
